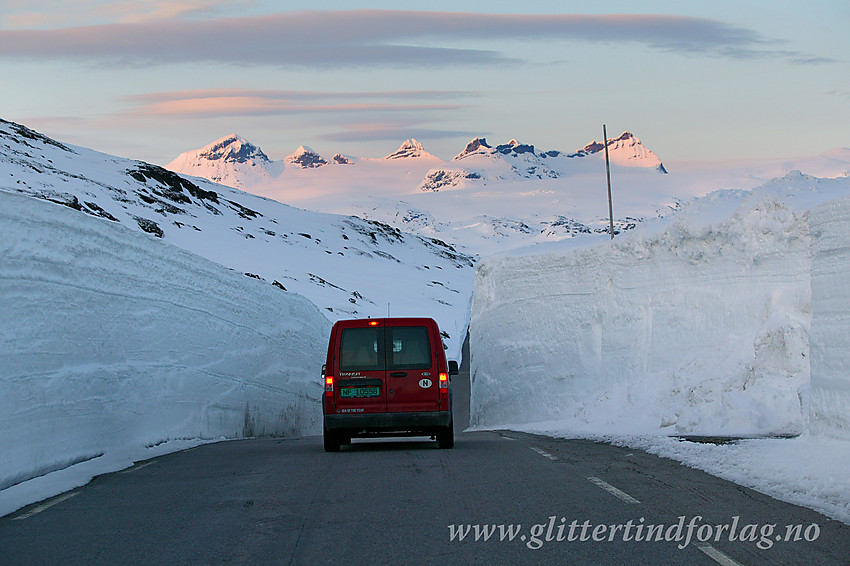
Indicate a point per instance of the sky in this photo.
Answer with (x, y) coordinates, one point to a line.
(695, 81)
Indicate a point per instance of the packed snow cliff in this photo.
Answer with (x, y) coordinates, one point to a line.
(727, 318)
(118, 346)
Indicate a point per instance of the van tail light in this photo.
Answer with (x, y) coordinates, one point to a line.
(329, 385)
(443, 380)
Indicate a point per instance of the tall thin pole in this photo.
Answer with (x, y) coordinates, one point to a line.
(608, 174)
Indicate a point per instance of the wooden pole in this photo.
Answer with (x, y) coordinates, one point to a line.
(608, 174)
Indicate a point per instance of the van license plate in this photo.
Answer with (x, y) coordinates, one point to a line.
(359, 391)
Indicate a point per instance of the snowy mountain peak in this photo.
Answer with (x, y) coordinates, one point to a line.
(341, 159)
(625, 150)
(409, 149)
(305, 158)
(478, 146)
(234, 149)
(515, 148)
(231, 160)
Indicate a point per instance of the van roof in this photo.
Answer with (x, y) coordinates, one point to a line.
(383, 321)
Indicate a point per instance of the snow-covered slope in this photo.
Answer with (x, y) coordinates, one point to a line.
(347, 266)
(117, 346)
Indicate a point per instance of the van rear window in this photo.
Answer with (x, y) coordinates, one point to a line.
(377, 349)
(362, 349)
(408, 347)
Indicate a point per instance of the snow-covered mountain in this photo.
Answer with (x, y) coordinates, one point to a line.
(480, 162)
(626, 150)
(231, 161)
(410, 149)
(493, 197)
(305, 158)
(241, 164)
(347, 266)
(238, 163)
(502, 196)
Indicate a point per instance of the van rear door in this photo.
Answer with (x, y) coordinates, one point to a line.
(412, 378)
(361, 368)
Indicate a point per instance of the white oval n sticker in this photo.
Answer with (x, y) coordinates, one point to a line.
(425, 383)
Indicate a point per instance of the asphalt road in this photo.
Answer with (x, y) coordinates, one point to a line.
(405, 501)
(270, 501)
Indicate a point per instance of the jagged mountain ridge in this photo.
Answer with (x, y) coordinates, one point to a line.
(383, 189)
(341, 263)
(478, 162)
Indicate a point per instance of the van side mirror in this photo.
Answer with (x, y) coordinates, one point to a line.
(453, 369)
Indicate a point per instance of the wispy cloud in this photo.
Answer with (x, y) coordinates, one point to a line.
(35, 14)
(243, 102)
(334, 39)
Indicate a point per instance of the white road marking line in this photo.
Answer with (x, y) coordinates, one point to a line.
(717, 556)
(506, 437)
(613, 490)
(44, 506)
(136, 468)
(544, 453)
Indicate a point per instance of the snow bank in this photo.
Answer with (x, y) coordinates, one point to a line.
(730, 318)
(697, 324)
(830, 330)
(808, 470)
(121, 342)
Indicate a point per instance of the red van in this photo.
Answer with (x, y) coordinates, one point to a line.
(387, 376)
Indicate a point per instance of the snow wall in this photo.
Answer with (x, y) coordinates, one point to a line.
(829, 336)
(113, 341)
(697, 324)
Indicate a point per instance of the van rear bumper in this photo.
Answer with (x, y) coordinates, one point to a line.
(389, 422)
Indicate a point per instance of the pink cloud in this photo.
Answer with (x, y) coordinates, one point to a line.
(236, 102)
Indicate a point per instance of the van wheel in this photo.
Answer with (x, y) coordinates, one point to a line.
(446, 436)
(331, 441)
